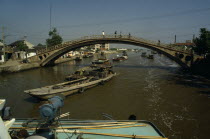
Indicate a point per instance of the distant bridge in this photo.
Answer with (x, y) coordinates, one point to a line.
(48, 56)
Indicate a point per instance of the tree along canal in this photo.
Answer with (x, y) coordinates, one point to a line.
(154, 90)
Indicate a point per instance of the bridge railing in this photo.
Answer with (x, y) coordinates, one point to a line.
(99, 37)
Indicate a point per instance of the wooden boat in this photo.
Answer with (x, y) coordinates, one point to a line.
(154, 52)
(70, 87)
(88, 55)
(150, 57)
(121, 58)
(101, 62)
(78, 58)
(85, 56)
(143, 54)
(81, 73)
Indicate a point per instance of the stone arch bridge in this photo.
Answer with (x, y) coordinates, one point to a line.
(49, 55)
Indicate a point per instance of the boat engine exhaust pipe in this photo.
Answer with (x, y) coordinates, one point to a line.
(49, 111)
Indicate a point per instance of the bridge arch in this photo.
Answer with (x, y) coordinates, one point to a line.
(183, 58)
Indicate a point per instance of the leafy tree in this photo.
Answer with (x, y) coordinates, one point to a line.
(97, 50)
(1, 40)
(54, 39)
(40, 44)
(202, 42)
(113, 48)
(21, 46)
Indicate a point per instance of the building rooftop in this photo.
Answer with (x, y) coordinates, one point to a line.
(30, 45)
(185, 44)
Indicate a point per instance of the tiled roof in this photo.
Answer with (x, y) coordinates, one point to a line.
(185, 44)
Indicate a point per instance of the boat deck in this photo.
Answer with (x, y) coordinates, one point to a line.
(106, 129)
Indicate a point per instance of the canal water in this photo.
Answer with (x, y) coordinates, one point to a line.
(156, 90)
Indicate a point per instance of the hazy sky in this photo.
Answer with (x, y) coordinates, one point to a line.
(150, 19)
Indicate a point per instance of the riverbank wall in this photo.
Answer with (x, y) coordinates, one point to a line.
(17, 66)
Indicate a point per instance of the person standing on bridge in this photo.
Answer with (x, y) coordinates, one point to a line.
(103, 33)
(115, 33)
(158, 42)
(129, 35)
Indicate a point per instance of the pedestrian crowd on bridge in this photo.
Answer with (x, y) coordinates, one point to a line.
(115, 34)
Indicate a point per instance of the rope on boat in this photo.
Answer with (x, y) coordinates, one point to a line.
(87, 127)
(100, 123)
(104, 127)
(109, 134)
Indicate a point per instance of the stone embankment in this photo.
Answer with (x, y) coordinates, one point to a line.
(16, 66)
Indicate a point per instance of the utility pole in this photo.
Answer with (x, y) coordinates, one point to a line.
(193, 38)
(50, 15)
(175, 40)
(3, 42)
(50, 19)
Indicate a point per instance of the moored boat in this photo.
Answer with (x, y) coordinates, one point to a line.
(88, 55)
(150, 56)
(121, 58)
(143, 54)
(101, 62)
(78, 58)
(154, 52)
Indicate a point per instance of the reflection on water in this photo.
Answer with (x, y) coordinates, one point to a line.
(154, 90)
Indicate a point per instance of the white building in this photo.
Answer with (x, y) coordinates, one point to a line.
(104, 46)
(1, 57)
(1, 44)
(23, 54)
(1, 53)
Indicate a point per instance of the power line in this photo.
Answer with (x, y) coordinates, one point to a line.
(140, 18)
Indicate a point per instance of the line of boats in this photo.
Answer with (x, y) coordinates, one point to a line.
(99, 72)
(53, 125)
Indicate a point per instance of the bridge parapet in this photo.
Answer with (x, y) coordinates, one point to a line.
(120, 37)
(49, 55)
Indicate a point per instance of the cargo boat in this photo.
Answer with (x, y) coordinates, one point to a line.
(80, 84)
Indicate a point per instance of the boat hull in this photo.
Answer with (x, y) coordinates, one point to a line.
(78, 89)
